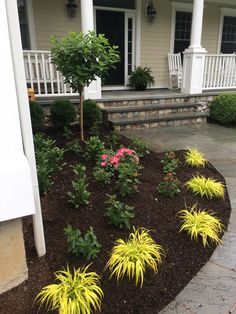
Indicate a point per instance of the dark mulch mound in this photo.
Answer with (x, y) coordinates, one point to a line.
(183, 258)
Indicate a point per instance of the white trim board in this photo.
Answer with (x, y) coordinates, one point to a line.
(177, 6)
(225, 2)
(31, 24)
(224, 12)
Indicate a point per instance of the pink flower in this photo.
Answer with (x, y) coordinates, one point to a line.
(104, 156)
(103, 164)
(114, 160)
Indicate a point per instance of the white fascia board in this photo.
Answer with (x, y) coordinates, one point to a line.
(16, 189)
(182, 6)
(228, 11)
(16, 197)
(224, 2)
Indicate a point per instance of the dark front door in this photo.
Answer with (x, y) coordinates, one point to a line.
(112, 25)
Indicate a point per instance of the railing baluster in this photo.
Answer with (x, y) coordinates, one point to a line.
(44, 75)
(30, 71)
(51, 73)
(37, 72)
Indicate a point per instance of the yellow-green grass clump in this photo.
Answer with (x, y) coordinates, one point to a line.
(205, 187)
(200, 223)
(194, 158)
(133, 257)
(77, 293)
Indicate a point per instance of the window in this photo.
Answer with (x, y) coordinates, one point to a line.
(130, 45)
(183, 23)
(228, 40)
(24, 28)
(115, 3)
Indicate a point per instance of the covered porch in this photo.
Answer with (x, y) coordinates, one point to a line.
(201, 31)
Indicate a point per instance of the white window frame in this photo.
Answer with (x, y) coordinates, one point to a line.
(127, 16)
(177, 6)
(224, 12)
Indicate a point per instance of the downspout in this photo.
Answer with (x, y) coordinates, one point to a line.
(24, 113)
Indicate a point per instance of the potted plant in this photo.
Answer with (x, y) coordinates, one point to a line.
(141, 77)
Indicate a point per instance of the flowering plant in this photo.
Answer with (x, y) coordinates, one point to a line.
(121, 155)
(124, 163)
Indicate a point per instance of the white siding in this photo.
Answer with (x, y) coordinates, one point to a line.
(51, 19)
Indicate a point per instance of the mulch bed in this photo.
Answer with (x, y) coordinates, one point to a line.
(183, 260)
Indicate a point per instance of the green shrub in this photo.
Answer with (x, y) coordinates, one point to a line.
(79, 195)
(36, 114)
(139, 146)
(74, 146)
(94, 148)
(49, 160)
(127, 181)
(62, 113)
(103, 175)
(79, 170)
(86, 246)
(170, 163)
(113, 139)
(118, 213)
(223, 108)
(92, 114)
(170, 186)
(67, 133)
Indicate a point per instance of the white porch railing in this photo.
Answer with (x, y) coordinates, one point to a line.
(42, 76)
(219, 72)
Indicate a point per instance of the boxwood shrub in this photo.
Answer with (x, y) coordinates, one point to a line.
(62, 113)
(36, 113)
(92, 114)
(223, 109)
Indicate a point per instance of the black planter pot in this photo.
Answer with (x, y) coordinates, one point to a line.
(140, 87)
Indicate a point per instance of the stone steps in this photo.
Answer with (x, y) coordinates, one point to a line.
(154, 115)
(174, 119)
(145, 111)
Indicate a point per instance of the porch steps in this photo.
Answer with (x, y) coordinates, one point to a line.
(153, 115)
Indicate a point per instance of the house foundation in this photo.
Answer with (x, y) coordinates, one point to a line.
(13, 267)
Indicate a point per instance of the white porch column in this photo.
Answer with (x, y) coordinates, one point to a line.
(24, 115)
(194, 56)
(87, 24)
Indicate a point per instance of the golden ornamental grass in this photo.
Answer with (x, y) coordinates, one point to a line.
(205, 187)
(200, 223)
(194, 158)
(77, 293)
(131, 258)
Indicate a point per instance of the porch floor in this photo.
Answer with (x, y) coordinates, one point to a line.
(152, 94)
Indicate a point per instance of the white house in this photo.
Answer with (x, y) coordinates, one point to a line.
(145, 31)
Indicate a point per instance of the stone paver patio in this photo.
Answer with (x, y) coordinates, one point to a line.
(213, 289)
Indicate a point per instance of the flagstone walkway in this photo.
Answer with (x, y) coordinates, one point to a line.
(213, 289)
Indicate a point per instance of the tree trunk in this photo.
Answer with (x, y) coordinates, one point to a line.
(81, 96)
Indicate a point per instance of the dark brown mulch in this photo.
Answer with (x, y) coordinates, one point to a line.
(183, 258)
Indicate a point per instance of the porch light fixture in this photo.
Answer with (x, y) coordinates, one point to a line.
(71, 8)
(151, 12)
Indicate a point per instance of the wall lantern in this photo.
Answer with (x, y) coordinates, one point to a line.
(151, 12)
(71, 8)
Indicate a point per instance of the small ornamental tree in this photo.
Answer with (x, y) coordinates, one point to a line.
(81, 58)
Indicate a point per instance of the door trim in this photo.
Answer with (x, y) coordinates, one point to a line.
(127, 14)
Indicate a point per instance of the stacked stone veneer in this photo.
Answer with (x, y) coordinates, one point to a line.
(194, 110)
(200, 104)
(203, 102)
